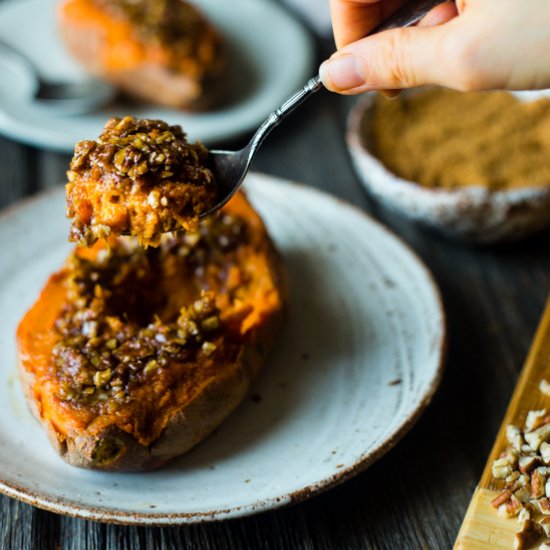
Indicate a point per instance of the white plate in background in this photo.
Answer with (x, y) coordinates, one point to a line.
(273, 58)
(359, 359)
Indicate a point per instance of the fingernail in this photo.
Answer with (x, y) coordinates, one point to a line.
(342, 72)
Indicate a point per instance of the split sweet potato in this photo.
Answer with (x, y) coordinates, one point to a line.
(162, 51)
(131, 356)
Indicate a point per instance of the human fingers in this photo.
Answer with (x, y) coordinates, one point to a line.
(485, 47)
(355, 19)
(439, 15)
(398, 58)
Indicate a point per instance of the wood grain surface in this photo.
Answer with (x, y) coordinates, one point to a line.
(416, 496)
(483, 528)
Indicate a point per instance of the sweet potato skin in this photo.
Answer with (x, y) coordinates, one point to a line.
(112, 449)
(135, 69)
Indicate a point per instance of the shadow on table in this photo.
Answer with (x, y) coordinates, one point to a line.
(313, 338)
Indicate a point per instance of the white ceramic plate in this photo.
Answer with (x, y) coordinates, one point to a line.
(273, 58)
(358, 361)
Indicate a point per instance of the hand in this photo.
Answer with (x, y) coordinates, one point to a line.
(470, 45)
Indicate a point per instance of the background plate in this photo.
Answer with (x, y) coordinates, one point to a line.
(359, 359)
(272, 57)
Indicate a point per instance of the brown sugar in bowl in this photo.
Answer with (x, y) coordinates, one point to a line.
(471, 212)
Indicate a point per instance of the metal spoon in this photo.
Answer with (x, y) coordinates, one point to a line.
(71, 97)
(231, 167)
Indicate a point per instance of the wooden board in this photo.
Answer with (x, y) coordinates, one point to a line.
(483, 528)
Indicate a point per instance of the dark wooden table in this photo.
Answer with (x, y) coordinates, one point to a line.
(415, 496)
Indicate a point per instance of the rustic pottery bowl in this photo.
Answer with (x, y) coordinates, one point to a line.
(474, 213)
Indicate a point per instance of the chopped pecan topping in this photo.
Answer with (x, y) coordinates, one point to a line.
(528, 535)
(525, 471)
(544, 386)
(120, 330)
(142, 178)
(175, 25)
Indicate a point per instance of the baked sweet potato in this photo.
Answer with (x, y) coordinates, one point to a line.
(162, 51)
(131, 356)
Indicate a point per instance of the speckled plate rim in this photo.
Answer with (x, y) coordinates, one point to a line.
(108, 515)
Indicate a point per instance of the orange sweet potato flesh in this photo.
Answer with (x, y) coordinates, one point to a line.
(109, 47)
(173, 412)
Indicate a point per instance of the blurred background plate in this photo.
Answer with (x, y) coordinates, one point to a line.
(272, 57)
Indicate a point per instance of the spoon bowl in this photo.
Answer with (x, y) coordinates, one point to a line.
(231, 167)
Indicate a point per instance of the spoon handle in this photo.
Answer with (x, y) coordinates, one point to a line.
(287, 107)
(408, 15)
(313, 85)
(411, 13)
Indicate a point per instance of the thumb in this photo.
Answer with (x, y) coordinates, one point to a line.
(394, 59)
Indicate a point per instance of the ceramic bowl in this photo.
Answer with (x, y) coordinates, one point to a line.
(474, 213)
